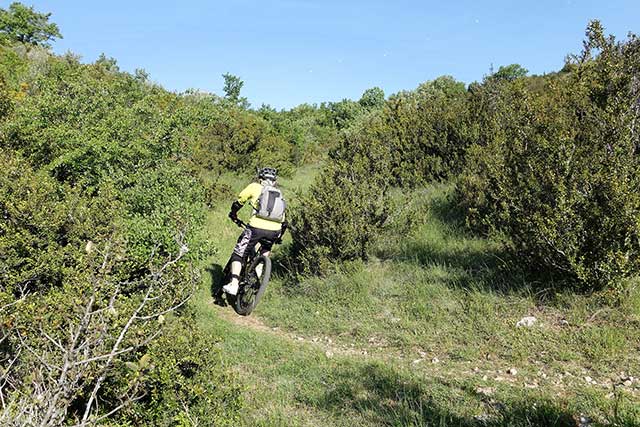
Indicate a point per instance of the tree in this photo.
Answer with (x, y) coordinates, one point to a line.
(25, 25)
(372, 98)
(232, 87)
(510, 72)
(108, 63)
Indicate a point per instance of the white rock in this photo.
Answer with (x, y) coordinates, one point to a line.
(487, 391)
(512, 371)
(329, 354)
(588, 379)
(526, 321)
(584, 421)
(435, 360)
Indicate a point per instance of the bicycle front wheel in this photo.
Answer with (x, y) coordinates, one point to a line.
(254, 283)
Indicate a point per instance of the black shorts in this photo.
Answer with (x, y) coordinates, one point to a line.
(250, 237)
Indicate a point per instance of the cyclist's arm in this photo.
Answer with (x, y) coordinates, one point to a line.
(251, 192)
(248, 193)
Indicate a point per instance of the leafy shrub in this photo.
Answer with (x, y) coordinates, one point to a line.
(347, 204)
(100, 221)
(430, 131)
(561, 173)
(182, 381)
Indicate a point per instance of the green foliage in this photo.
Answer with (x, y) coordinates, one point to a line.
(559, 169)
(510, 72)
(232, 87)
(101, 216)
(345, 112)
(372, 98)
(430, 131)
(23, 24)
(346, 206)
(235, 139)
(182, 381)
(309, 129)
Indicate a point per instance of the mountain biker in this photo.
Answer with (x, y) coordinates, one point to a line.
(267, 224)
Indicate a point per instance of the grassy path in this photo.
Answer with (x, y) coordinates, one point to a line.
(416, 337)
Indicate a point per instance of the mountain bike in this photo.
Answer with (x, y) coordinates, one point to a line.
(253, 278)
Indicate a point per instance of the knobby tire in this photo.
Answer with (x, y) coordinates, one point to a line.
(249, 295)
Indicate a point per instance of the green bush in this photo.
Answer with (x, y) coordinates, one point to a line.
(99, 240)
(430, 131)
(182, 381)
(561, 172)
(347, 204)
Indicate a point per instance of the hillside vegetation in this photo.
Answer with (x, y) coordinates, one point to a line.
(424, 226)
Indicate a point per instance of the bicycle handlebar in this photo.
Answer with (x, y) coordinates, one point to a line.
(240, 223)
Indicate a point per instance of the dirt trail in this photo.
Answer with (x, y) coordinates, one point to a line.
(372, 352)
(324, 343)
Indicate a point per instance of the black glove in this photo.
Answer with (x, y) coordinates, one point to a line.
(285, 225)
(235, 207)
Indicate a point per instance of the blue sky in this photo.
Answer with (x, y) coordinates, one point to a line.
(294, 51)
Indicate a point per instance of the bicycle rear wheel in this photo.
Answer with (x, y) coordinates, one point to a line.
(253, 286)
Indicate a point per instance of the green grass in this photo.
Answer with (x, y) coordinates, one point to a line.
(434, 293)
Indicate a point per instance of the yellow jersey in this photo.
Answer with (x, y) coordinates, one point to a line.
(252, 193)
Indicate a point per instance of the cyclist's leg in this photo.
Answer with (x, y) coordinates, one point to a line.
(266, 243)
(245, 243)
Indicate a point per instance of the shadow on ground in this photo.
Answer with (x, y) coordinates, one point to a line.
(216, 271)
(477, 262)
(382, 396)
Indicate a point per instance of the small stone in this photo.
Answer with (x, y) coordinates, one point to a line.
(89, 247)
(628, 383)
(485, 378)
(476, 369)
(300, 339)
(526, 321)
(484, 418)
(415, 362)
(435, 360)
(329, 354)
(486, 391)
(584, 421)
(588, 379)
(512, 371)
(564, 323)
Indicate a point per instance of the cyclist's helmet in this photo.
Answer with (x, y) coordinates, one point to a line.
(268, 173)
